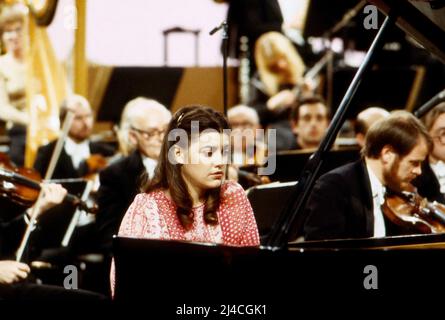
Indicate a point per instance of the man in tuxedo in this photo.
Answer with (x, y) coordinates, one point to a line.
(431, 183)
(146, 122)
(346, 202)
(80, 156)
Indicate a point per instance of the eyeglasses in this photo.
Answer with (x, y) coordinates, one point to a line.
(440, 137)
(148, 134)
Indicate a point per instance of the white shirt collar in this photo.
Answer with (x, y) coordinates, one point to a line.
(439, 171)
(77, 151)
(150, 165)
(378, 198)
(377, 188)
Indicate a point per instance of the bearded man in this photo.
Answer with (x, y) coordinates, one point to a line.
(346, 202)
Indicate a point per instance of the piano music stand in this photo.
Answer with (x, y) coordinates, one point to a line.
(267, 201)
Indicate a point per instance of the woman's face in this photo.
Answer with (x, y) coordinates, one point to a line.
(205, 162)
(13, 36)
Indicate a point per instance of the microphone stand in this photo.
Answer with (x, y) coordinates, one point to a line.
(225, 38)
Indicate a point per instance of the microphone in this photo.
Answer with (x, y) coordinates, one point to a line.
(221, 26)
(438, 98)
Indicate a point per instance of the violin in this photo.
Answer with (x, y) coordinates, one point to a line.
(22, 186)
(409, 210)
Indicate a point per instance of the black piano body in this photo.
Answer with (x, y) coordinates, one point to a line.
(160, 276)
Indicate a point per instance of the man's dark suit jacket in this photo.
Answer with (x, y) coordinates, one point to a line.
(11, 232)
(427, 184)
(341, 206)
(65, 168)
(119, 184)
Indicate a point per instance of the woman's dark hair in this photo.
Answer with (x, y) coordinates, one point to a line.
(168, 175)
(401, 130)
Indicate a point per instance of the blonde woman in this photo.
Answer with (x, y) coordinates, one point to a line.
(280, 71)
(12, 79)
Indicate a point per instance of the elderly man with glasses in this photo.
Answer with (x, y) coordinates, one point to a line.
(143, 125)
(431, 184)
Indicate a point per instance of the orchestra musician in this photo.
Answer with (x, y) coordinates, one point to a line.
(145, 123)
(79, 156)
(244, 122)
(431, 183)
(309, 121)
(365, 119)
(12, 80)
(14, 276)
(188, 198)
(346, 202)
(278, 84)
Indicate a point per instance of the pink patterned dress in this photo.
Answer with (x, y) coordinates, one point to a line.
(153, 216)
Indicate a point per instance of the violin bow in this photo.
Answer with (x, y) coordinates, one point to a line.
(49, 172)
(75, 219)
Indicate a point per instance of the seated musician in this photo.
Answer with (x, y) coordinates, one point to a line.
(10, 270)
(309, 121)
(79, 158)
(280, 73)
(79, 155)
(346, 202)
(365, 119)
(188, 198)
(249, 150)
(244, 122)
(431, 183)
(144, 123)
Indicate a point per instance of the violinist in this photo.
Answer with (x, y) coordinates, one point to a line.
(280, 72)
(431, 183)
(346, 202)
(14, 284)
(79, 156)
(12, 271)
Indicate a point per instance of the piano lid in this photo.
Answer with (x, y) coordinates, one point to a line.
(424, 20)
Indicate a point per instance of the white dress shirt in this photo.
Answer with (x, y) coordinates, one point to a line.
(77, 151)
(439, 171)
(149, 165)
(378, 198)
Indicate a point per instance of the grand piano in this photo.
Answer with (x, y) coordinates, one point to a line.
(168, 276)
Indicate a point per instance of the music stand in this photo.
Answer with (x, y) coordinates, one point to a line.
(289, 164)
(267, 202)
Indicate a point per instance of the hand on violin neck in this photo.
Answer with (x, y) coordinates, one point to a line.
(51, 195)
